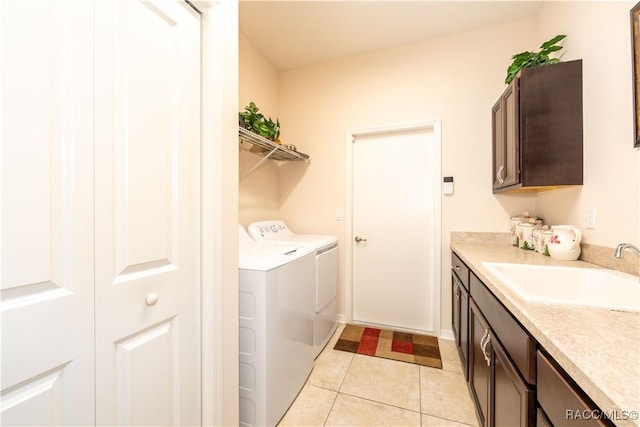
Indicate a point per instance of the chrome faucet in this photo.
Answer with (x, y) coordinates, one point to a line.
(622, 246)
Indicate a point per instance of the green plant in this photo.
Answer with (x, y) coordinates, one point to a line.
(257, 123)
(533, 59)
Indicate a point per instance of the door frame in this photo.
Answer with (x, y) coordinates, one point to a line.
(219, 212)
(433, 126)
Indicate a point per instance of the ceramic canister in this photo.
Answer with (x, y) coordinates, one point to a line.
(525, 235)
(532, 242)
(543, 243)
(513, 223)
(539, 239)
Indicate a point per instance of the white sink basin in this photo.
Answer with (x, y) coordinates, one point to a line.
(570, 285)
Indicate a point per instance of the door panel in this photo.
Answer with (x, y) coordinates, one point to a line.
(147, 206)
(147, 358)
(47, 213)
(393, 208)
(479, 370)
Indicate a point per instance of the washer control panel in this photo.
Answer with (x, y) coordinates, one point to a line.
(268, 230)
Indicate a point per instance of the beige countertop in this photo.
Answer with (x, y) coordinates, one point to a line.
(598, 348)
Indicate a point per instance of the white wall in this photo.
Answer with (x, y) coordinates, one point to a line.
(611, 164)
(457, 79)
(258, 192)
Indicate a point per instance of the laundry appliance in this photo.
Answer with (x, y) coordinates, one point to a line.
(326, 274)
(276, 326)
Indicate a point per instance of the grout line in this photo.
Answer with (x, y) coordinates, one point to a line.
(381, 403)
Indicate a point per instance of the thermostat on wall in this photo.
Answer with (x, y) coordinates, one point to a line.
(447, 185)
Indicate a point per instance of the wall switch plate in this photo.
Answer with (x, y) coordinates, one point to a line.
(591, 218)
(338, 214)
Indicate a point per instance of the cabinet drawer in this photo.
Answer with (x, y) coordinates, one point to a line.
(560, 399)
(461, 270)
(516, 341)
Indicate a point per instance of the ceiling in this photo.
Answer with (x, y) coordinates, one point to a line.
(293, 34)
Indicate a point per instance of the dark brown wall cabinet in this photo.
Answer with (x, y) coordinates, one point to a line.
(537, 129)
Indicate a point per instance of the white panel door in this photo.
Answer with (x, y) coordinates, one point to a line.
(47, 265)
(147, 213)
(393, 209)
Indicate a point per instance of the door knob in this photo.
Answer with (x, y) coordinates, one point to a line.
(151, 299)
(360, 239)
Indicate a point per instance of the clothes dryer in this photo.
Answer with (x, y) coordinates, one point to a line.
(326, 273)
(276, 327)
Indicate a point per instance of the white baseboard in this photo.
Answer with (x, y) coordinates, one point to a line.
(446, 334)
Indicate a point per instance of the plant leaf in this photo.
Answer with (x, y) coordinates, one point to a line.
(553, 41)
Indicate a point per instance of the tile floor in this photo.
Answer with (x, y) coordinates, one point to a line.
(346, 389)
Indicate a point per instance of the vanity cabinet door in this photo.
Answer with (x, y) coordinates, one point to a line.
(455, 308)
(460, 323)
(479, 367)
(562, 401)
(464, 331)
(513, 402)
(460, 309)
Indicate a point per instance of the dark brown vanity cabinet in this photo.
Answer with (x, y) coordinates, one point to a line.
(501, 362)
(561, 402)
(460, 309)
(537, 129)
(511, 378)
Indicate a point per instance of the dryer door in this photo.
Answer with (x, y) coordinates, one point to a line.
(326, 276)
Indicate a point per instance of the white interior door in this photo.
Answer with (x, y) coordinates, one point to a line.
(394, 273)
(47, 213)
(147, 213)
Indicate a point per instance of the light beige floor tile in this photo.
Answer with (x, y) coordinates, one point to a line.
(330, 369)
(429, 421)
(354, 411)
(444, 394)
(311, 407)
(449, 355)
(383, 380)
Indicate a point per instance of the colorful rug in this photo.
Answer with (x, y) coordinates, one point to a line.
(403, 346)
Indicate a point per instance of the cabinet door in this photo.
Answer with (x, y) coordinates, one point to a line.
(511, 173)
(512, 402)
(563, 403)
(455, 308)
(506, 138)
(479, 368)
(497, 125)
(464, 331)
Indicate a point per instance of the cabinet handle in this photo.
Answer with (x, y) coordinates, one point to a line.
(499, 175)
(457, 289)
(484, 348)
(456, 267)
(484, 337)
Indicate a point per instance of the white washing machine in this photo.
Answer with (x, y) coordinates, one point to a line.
(276, 327)
(326, 274)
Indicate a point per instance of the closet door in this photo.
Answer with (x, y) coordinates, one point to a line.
(147, 213)
(47, 269)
